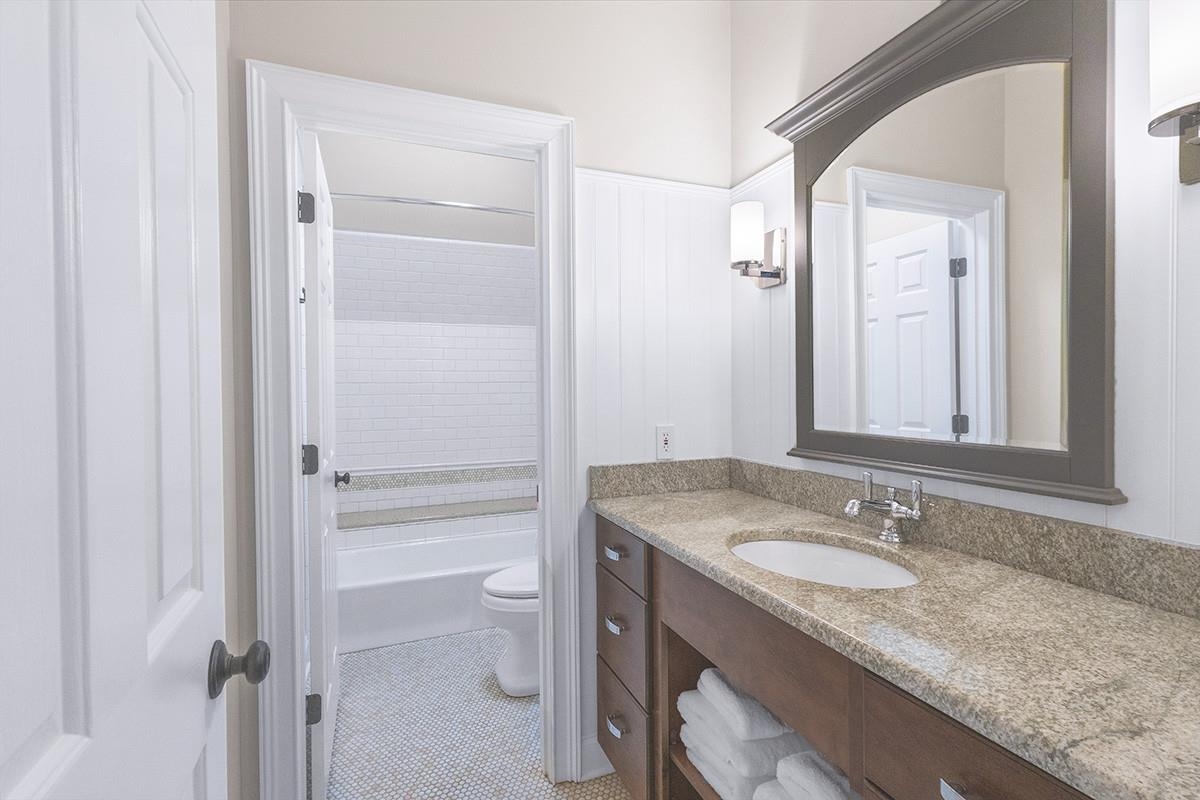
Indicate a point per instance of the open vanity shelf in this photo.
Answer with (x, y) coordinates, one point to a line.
(661, 623)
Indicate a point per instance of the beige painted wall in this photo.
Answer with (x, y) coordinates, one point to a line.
(784, 50)
(916, 139)
(647, 82)
(373, 166)
(236, 380)
(1035, 179)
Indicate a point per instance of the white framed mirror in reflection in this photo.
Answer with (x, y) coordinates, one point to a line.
(939, 267)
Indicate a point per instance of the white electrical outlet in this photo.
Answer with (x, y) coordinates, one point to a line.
(664, 442)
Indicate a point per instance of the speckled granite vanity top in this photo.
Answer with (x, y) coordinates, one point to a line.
(1100, 692)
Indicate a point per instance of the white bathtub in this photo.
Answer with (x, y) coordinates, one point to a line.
(396, 593)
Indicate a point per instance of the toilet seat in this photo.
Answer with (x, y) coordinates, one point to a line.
(519, 582)
(510, 602)
(512, 605)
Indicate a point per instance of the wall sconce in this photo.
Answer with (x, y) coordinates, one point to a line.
(754, 254)
(1175, 79)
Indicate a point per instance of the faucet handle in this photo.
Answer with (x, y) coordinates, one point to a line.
(917, 494)
(868, 485)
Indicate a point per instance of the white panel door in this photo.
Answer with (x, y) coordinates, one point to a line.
(909, 335)
(111, 565)
(320, 429)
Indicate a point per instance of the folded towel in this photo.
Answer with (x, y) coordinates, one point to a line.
(744, 715)
(808, 776)
(771, 790)
(725, 784)
(748, 758)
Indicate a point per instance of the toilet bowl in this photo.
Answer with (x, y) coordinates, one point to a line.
(510, 602)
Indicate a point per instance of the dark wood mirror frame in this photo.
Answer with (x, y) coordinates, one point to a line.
(957, 39)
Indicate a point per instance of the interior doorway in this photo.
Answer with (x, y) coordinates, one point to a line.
(288, 108)
(419, 286)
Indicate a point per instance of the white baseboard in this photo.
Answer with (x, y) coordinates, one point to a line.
(593, 763)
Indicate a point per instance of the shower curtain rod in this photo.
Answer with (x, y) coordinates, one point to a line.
(416, 201)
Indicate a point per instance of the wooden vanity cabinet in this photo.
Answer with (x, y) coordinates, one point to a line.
(674, 623)
(623, 666)
(910, 747)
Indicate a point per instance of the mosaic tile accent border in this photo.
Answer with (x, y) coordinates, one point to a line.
(408, 479)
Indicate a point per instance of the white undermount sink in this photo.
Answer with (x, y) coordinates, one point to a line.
(822, 563)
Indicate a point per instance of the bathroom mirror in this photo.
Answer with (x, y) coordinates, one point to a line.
(938, 269)
(954, 251)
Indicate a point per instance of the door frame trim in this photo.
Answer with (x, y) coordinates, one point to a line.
(280, 101)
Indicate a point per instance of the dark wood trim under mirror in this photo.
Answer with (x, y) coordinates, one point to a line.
(961, 38)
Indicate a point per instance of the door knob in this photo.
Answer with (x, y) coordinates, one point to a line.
(223, 665)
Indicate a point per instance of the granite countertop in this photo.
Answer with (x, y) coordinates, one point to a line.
(1100, 692)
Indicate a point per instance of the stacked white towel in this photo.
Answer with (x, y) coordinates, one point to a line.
(746, 716)
(751, 758)
(716, 718)
(771, 790)
(808, 776)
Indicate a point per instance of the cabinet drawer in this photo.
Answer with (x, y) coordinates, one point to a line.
(622, 630)
(624, 732)
(910, 748)
(622, 554)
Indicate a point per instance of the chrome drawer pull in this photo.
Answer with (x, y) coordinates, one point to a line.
(614, 553)
(952, 792)
(613, 626)
(616, 730)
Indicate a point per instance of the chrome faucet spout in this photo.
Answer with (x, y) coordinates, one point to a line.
(896, 514)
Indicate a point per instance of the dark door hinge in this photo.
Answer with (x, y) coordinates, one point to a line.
(960, 423)
(303, 294)
(306, 207)
(308, 459)
(958, 267)
(312, 709)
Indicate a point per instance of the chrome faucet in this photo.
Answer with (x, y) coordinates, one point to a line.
(897, 515)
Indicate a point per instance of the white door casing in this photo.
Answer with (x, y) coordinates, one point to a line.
(281, 102)
(111, 563)
(320, 430)
(979, 235)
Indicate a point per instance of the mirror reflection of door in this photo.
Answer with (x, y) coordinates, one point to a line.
(938, 267)
(909, 333)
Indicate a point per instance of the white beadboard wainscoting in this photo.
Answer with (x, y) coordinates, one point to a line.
(652, 332)
(1157, 339)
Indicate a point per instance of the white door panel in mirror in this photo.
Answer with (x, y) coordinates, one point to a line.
(938, 267)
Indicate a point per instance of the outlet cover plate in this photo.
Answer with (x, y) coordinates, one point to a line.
(664, 442)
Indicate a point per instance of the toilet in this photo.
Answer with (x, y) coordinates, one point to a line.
(510, 602)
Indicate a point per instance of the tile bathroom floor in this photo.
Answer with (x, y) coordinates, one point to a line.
(427, 721)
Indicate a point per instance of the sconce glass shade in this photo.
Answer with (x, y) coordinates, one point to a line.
(1174, 65)
(746, 232)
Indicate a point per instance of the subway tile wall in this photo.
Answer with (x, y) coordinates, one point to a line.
(435, 363)
(383, 277)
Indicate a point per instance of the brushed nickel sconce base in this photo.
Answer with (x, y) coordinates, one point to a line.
(772, 272)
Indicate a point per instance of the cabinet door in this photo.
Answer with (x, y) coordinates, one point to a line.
(624, 732)
(910, 748)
